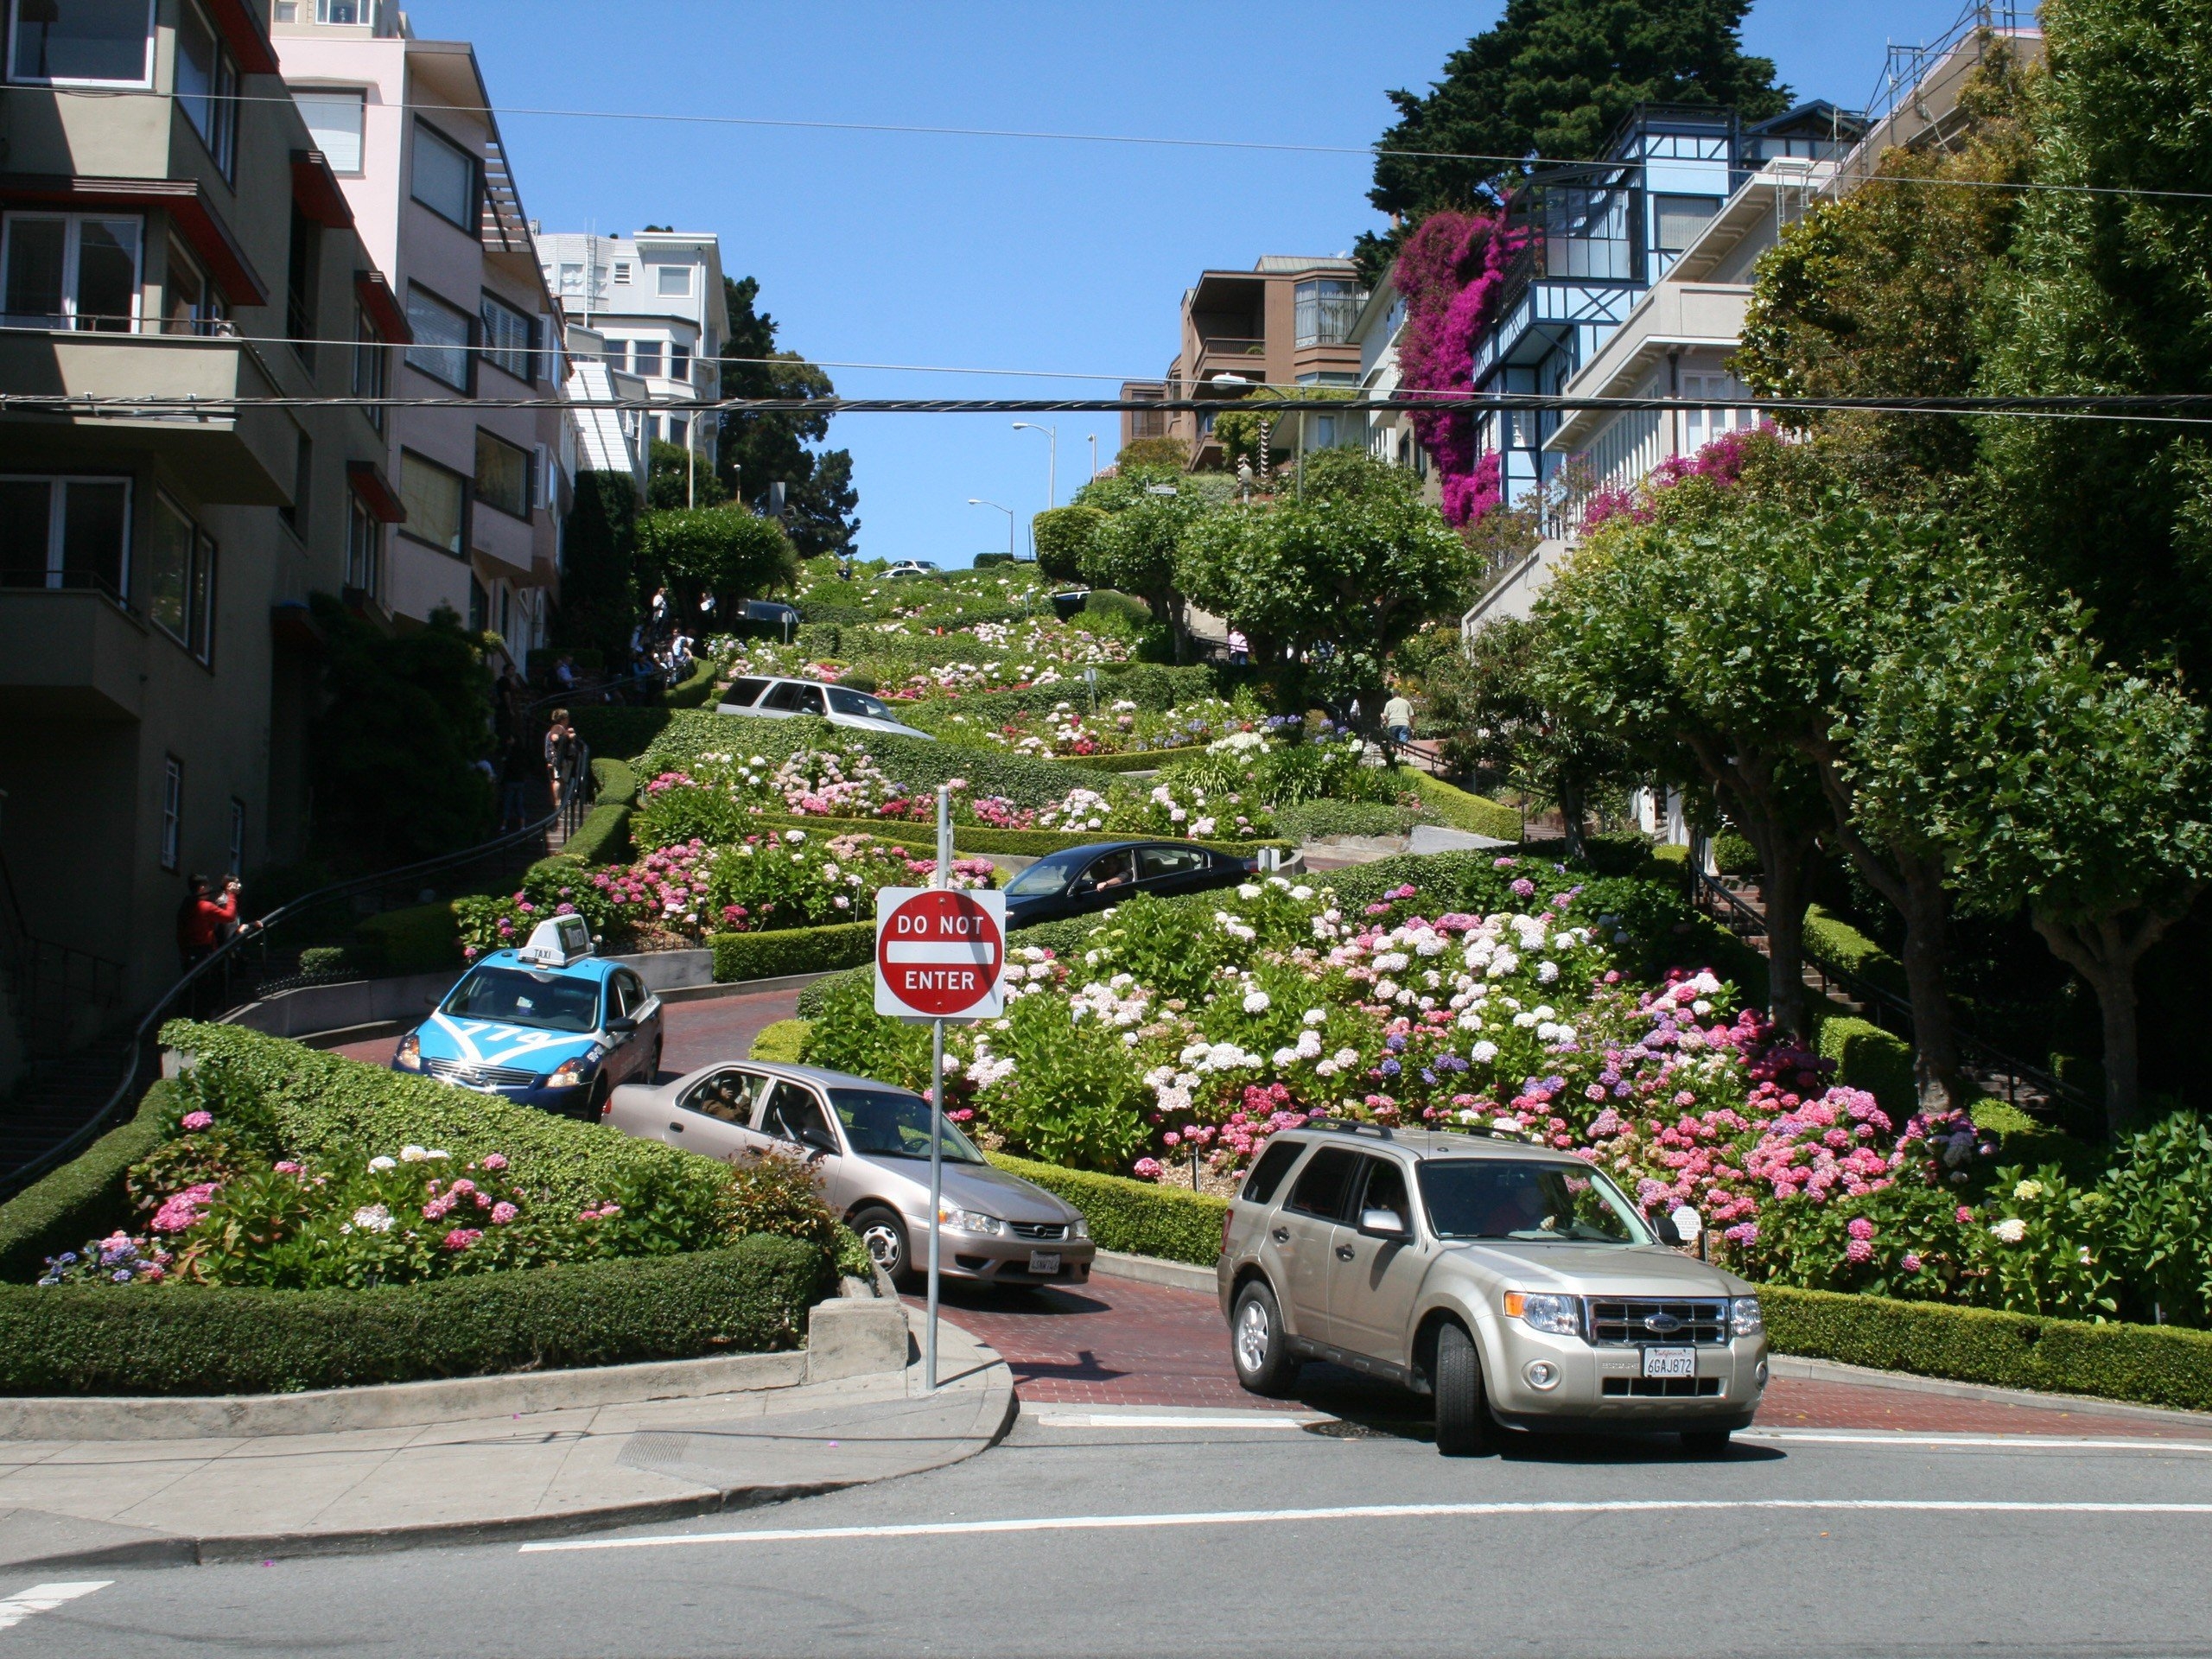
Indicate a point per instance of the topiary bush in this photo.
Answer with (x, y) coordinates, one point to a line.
(1869, 1057)
(1477, 814)
(1317, 820)
(791, 951)
(1733, 856)
(1135, 1218)
(781, 1042)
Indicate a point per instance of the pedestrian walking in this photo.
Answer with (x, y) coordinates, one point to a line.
(516, 770)
(1240, 648)
(203, 921)
(565, 672)
(1398, 719)
(560, 753)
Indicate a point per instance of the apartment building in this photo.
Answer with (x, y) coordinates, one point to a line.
(656, 299)
(405, 126)
(1287, 323)
(168, 230)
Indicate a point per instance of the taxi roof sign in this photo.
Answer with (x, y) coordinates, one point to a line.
(557, 941)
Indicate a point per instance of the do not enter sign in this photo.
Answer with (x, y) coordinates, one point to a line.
(939, 952)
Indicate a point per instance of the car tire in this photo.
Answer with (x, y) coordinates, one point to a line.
(1463, 1427)
(596, 1098)
(885, 1235)
(1258, 1345)
(1705, 1442)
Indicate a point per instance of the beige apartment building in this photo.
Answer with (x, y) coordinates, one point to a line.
(168, 229)
(1287, 323)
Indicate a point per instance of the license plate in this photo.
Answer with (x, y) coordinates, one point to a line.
(1670, 1361)
(1043, 1260)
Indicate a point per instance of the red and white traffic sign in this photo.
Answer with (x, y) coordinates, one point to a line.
(939, 952)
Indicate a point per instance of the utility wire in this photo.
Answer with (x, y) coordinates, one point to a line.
(493, 112)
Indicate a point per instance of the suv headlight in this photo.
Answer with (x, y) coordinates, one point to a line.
(1557, 1316)
(1081, 1229)
(409, 1056)
(966, 1221)
(1744, 1317)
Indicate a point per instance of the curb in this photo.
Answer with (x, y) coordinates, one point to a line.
(1154, 1270)
(1835, 1370)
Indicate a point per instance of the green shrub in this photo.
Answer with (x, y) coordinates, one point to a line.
(695, 688)
(792, 951)
(1134, 760)
(916, 762)
(82, 1199)
(419, 939)
(1306, 821)
(602, 838)
(1121, 608)
(328, 959)
(1135, 1218)
(2156, 1366)
(1477, 814)
(1837, 945)
(1869, 1057)
(750, 1298)
(614, 782)
(985, 560)
(781, 1042)
(326, 1106)
(619, 732)
(1733, 856)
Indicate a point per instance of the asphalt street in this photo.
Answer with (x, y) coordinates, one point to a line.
(1160, 1531)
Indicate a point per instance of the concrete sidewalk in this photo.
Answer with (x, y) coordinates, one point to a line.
(153, 1502)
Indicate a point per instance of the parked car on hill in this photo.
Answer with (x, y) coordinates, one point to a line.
(551, 1025)
(1515, 1284)
(869, 1144)
(1083, 879)
(910, 568)
(786, 699)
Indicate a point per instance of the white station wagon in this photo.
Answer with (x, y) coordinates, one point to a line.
(783, 699)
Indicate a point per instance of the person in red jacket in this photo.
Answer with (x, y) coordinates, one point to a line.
(204, 921)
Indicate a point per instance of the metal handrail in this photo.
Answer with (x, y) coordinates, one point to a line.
(1743, 920)
(568, 812)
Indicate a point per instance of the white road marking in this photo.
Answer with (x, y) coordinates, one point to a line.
(2002, 1442)
(1375, 1512)
(1186, 1420)
(44, 1599)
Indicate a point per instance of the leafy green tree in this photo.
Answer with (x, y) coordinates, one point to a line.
(1133, 550)
(2108, 292)
(599, 603)
(2056, 778)
(1486, 709)
(1152, 452)
(1062, 536)
(1553, 78)
(725, 552)
(760, 449)
(407, 718)
(1881, 292)
(674, 481)
(1343, 573)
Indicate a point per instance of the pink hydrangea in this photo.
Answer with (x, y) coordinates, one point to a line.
(196, 1121)
(503, 1212)
(460, 1238)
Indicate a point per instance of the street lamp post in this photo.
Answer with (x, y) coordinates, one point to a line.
(1093, 457)
(1052, 466)
(977, 502)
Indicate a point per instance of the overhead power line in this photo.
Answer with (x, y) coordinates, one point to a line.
(1148, 140)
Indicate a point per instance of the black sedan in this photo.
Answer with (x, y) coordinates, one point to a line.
(1099, 876)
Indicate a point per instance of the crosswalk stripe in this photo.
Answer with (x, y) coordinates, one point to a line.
(44, 1599)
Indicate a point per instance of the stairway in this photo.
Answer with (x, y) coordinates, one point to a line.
(56, 1099)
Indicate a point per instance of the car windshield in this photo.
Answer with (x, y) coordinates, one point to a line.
(892, 1123)
(1502, 1197)
(1046, 877)
(514, 997)
(856, 703)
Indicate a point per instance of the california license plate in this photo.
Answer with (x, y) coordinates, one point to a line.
(1670, 1361)
(1043, 1260)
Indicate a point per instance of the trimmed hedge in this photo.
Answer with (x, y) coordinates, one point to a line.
(416, 940)
(1868, 1057)
(1134, 760)
(750, 1298)
(781, 1042)
(2155, 1365)
(1842, 945)
(602, 838)
(1317, 820)
(614, 782)
(618, 731)
(792, 951)
(974, 838)
(82, 1199)
(1136, 1217)
(1477, 814)
(695, 687)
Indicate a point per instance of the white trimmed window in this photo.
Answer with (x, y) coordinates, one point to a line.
(70, 270)
(336, 117)
(66, 532)
(81, 42)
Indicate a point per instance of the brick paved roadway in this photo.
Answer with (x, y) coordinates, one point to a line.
(1117, 1343)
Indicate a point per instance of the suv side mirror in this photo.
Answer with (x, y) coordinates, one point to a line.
(1381, 1223)
(622, 1026)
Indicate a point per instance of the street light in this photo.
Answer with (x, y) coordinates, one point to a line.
(1052, 466)
(977, 502)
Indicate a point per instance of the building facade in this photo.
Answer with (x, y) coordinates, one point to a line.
(1288, 323)
(406, 127)
(168, 229)
(655, 300)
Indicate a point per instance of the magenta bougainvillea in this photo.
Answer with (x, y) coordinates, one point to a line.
(1451, 272)
(1722, 463)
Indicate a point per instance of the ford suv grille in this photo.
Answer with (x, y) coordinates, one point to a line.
(481, 1077)
(1641, 1319)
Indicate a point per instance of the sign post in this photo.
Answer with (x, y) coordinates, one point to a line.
(940, 954)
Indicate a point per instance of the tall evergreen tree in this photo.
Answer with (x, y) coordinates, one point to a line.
(760, 449)
(1553, 78)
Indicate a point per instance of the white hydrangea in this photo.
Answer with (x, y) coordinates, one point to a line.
(1257, 1001)
(1483, 1052)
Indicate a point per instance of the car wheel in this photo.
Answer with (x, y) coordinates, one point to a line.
(1257, 1344)
(595, 1099)
(1462, 1417)
(885, 1235)
(1705, 1442)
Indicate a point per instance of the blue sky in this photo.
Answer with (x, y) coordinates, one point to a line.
(999, 253)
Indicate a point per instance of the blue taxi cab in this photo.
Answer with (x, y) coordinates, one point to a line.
(551, 1025)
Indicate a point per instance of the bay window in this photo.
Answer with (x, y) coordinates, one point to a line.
(69, 271)
(66, 532)
(81, 42)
